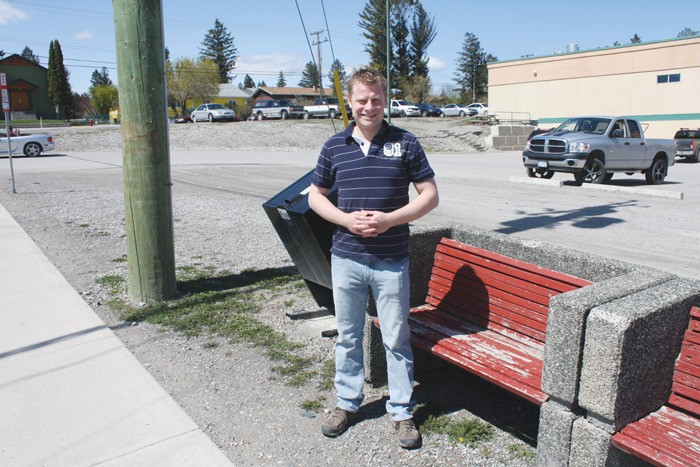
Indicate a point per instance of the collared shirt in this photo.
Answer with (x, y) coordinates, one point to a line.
(378, 181)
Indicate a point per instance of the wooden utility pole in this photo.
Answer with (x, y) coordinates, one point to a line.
(138, 28)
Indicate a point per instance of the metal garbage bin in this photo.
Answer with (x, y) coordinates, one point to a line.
(306, 236)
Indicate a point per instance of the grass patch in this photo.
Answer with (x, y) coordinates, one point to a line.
(315, 405)
(121, 259)
(85, 226)
(113, 283)
(224, 305)
(518, 451)
(471, 431)
(327, 376)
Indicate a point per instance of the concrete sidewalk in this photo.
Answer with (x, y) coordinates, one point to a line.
(70, 391)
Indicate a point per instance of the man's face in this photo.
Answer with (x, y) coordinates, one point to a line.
(367, 105)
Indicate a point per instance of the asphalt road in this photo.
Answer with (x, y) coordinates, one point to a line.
(625, 219)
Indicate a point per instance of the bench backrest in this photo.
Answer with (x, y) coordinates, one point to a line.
(495, 291)
(685, 393)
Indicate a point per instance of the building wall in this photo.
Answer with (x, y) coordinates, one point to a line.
(16, 69)
(612, 81)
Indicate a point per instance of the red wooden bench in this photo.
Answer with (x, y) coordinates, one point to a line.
(487, 313)
(671, 435)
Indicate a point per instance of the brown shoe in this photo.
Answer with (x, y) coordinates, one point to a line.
(337, 422)
(407, 433)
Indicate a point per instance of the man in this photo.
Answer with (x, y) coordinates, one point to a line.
(373, 165)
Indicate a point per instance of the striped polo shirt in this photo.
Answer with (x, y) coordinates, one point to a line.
(378, 181)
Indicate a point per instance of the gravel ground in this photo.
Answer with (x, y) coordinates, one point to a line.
(229, 388)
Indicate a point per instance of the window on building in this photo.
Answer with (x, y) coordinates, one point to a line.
(673, 78)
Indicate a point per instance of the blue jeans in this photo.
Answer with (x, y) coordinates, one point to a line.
(389, 281)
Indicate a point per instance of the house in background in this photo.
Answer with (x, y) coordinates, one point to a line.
(299, 96)
(232, 97)
(27, 86)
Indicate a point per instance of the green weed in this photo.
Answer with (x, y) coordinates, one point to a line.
(114, 283)
(312, 405)
(471, 431)
(518, 451)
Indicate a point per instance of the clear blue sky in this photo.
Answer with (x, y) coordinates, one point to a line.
(269, 36)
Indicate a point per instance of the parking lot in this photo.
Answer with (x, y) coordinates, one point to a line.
(624, 219)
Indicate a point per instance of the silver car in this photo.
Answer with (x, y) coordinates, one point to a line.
(212, 112)
(456, 110)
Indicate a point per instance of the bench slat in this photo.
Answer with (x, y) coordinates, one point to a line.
(485, 306)
(573, 282)
(447, 328)
(471, 274)
(484, 288)
(666, 433)
(493, 322)
(537, 397)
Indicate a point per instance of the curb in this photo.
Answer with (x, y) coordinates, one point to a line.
(609, 188)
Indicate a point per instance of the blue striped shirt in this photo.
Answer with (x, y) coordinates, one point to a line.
(376, 182)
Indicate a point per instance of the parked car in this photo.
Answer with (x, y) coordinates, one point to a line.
(277, 108)
(29, 145)
(427, 110)
(394, 112)
(688, 144)
(456, 110)
(212, 112)
(183, 119)
(594, 148)
(481, 109)
(405, 108)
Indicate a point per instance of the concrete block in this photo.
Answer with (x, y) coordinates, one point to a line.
(566, 327)
(511, 140)
(630, 348)
(498, 141)
(554, 436)
(590, 446)
(502, 130)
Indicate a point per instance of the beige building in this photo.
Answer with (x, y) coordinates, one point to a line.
(656, 82)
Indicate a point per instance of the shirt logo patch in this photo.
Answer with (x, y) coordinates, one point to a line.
(392, 149)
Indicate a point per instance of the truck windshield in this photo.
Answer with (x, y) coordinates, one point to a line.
(585, 125)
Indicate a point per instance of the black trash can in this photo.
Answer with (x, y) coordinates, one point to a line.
(306, 236)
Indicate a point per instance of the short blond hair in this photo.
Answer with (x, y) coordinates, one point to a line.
(368, 77)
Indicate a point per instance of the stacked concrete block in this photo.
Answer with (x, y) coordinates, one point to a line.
(510, 137)
(628, 360)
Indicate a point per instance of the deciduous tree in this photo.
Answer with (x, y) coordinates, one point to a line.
(104, 98)
(190, 79)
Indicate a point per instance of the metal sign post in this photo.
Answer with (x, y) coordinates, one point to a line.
(6, 109)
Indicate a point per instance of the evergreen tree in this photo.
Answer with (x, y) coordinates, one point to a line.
(29, 55)
(262, 84)
(248, 82)
(310, 76)
(342, 74)
(422, 35)
(59, 88)
(2, 53)
(218, 47)
(636, 39)
(101, 78)
(401, 65)
(470, 75)
(685, 32)
(373, 24)
(281, 82)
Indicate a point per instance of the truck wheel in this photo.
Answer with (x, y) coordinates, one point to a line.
(306, 115)
(539, 173)
(696, 156)
(657, 172)
(594, 171)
